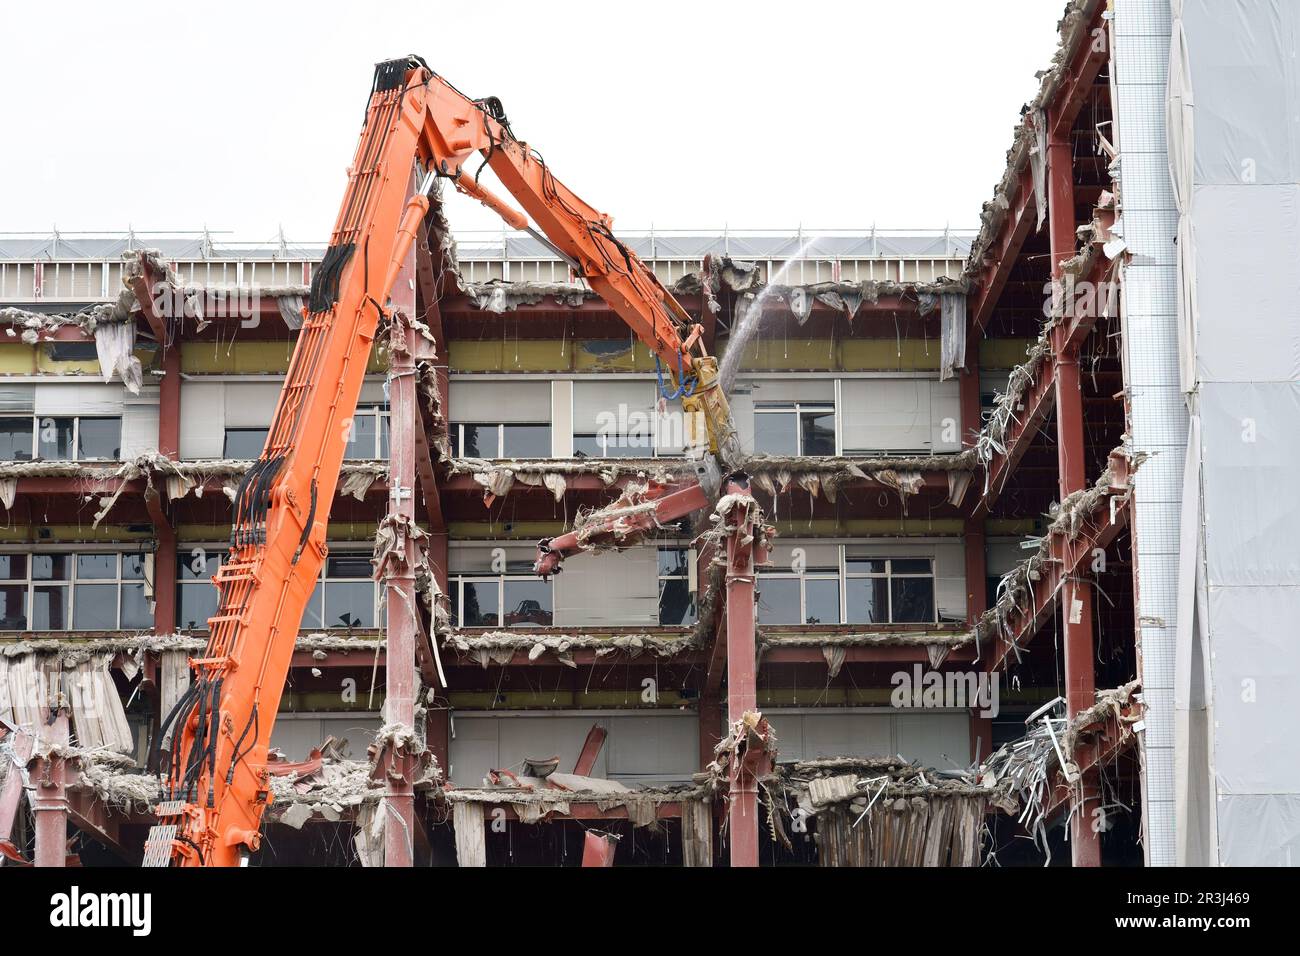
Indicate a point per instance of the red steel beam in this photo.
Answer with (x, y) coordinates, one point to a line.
(1105, 743)
(1001, 255)
(1068, 559)
(1036, 404)
(11, 794)
(586, 761)
(1081, 75)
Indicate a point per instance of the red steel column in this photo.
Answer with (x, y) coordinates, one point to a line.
(1080, 679)
(169, 444)
(742, 692)
(399, 580)
(981, 728)
(50, 797)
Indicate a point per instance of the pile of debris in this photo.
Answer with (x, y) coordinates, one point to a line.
(879, 811)
(902, 474)
(497, 478)
(1015, 591)
(1022, 776)
(500, 647)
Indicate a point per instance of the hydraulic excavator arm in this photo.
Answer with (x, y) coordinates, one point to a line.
(216, 783)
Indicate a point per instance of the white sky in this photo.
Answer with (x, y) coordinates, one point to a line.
(242, 117)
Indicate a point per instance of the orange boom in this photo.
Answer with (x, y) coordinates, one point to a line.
(216, 783)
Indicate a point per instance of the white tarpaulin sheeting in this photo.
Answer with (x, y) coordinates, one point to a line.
(1242, 282)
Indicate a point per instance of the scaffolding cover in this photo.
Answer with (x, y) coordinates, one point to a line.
(1239, 658)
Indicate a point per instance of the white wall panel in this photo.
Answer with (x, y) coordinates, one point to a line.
(203, 418)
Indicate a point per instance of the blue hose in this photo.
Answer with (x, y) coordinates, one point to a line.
(684, 390)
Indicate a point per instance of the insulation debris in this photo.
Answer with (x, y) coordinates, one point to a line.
(903, 475)
(880, 811)
(179, 478)
(833, 645)
(1073, 31)
(1015, 589)
(501, 295)
(500, 647)
(1022, 776)
(993, 437)
(735, 275)
(534, 799)
(498, 477)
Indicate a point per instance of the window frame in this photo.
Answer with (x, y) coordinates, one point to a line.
(501, 437)
(383, 416)
(457, 582)
(888, 576)
(220, 552)
(843, 575)
(36, 423)
(71, 580)
(686, 575)
(798, 408)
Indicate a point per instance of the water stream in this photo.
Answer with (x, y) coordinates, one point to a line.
(750, 323)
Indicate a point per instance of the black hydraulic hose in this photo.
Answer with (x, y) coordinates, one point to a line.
(156, 744)
(238, 755)
(306, 532)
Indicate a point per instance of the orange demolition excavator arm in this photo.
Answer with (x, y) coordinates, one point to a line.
(215, 779)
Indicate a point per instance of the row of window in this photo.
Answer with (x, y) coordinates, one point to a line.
(108, 591)
(346, 596)
(779, 429)
(367, 437)
(60, 438)
(861, 589)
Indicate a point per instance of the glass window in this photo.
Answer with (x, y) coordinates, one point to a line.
(821, 601)
(889, 590)
(49, 567)
(16, 439)
(54, 438)
(348, 566)
(867, 600)
(368, 438)
(676, 602)
(778, 600)
(480, 604)
(13, 567)
(817, 432)
(244, 443)
(101, 566)
(775, 433)
(13, 607)
(363, 438)
(912, 600)
(588, 446)
(526, 441)
(794, 429)
(99, 438)
(195, 604)
(196, 597)
(349, 603)
(136, 613)
(95, 607)
(479, 441)
(49, 607)
(527, 602)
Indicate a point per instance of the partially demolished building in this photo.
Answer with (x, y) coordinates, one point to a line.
(967, 639)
